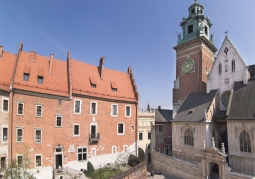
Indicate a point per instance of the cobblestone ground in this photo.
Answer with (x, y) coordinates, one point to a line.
(162, 176)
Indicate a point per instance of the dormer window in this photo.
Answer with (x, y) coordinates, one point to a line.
(40, 79)
(25, 76)
(190, 29)
(114, 86)
(93, 83)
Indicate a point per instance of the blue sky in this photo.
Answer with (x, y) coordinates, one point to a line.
(137, 33)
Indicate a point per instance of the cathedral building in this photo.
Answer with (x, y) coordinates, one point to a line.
(213, 101)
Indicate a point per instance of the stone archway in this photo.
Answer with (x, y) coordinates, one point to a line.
(213, 163)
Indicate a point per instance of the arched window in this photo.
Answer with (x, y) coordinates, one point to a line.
(245, 142)
(220, 68)
(188, 137)
(233, 65)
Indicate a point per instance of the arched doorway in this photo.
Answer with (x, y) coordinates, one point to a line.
(214, 170)
(141, 153)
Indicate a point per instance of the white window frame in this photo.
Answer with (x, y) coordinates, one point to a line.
(79, 106)
(19, 155)
(36, 110)
(139, 136)
(113, 110)
(23, 105)
(74, 130)
(38, 129)
(93, 102)
(3, 140)
(22, 139)
(56, 121)
(160, 140)
(114, 150)
(41, 161)
(129, 111)
(4, 111)
(82, 147)
(118, 128)
(160, 131)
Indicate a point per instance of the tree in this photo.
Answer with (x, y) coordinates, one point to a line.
(90, 169)
(20, 168)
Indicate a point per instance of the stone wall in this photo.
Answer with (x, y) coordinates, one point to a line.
(175, 166)
(137, 172)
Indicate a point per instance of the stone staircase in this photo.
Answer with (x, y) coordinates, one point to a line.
(214, 175)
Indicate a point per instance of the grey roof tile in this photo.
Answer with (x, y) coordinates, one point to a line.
(243, 102)
(163, 115)
(194, 106)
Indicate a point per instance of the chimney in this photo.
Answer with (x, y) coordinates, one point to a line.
(1, 50)
(32, 55)
(20, 46)
(101, 66)
(159, 107)
(50, 62)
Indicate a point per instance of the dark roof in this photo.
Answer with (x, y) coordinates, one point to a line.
(194, 106)
(238, 85)
(243, 102)
(252, 70)
(220, 115)
(163, 115)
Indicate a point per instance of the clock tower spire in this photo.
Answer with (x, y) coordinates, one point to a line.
(194, 54)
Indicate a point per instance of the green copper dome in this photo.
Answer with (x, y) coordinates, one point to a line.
(195, 25)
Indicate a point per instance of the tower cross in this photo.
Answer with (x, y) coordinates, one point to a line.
(226, 33)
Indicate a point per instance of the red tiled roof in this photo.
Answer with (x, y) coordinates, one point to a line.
(7, 62)
(55, 83)
(81, 73)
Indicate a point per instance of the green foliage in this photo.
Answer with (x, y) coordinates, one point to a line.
(106, 173)
(20, 169)
(90, 169)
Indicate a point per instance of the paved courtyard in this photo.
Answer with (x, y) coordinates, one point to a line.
(162, 176)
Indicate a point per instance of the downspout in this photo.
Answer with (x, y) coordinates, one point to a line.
(11, 96)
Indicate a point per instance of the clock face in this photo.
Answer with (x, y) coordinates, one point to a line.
(187, 66)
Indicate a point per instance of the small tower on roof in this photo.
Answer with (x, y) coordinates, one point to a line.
(148, 107)
(195, 25)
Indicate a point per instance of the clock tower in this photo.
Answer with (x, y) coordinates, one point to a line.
(195, 53)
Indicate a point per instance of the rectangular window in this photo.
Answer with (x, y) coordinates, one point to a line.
(192, 11)
(93, 108)
(38, 112)
(20, 160)
(132, 128)
(25, 76)
(59, 121)
(19, 135)
(20, 109)
(160, 128)
(38, 160)
(120, 128)
(149, 135)
(158, 150)
(114, 110)
(38, 135)
(160, 140)
(3, 162)
(5, 105)
(82, 153)
(163, 150)
(190, 29)
(5, 134)
(40, 79)
(77, 106)
(206, 30)
(140, 136)
(76, 129)
(128, 111)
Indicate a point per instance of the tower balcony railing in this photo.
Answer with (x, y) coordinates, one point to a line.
(94, 137)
